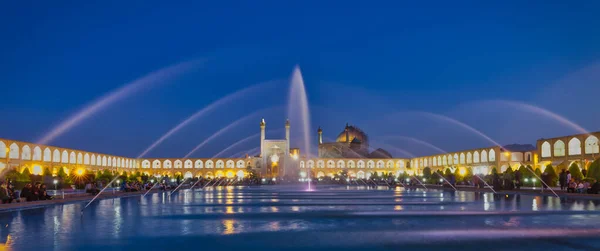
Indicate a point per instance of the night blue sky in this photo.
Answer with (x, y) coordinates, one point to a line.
(366, 63)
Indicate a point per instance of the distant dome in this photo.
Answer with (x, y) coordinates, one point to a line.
(380, 154)
(354, 133)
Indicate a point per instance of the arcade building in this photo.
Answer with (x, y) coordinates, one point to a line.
(350, 153)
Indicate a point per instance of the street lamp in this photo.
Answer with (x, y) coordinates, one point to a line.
(55, 183)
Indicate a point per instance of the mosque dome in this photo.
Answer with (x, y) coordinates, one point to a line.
(355, 135)
(380, 154)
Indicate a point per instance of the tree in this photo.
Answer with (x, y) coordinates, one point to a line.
(575, 172)
(61, 173)
(427, 172)
(525, 174)
(494, 170)
(26, 175)
(594, 170)
(552, 176)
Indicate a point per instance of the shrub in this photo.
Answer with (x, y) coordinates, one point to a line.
(494, 170)
(594, 170)
(525, 173)
(427, 172)
(575, 172)
(552, 176)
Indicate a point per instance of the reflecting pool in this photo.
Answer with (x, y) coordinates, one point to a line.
(287, 217)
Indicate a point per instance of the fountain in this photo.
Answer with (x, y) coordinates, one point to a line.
(116, 95)
(251, 151)
(242, 141)
(415, 178)
(94, 198)
(542, 111)
(484, 182)
(458, 123)
(228, 127)
(203, 112)
(417, 141)
(552, 190)
(298, 110)
(150, 189)
(456, 190)
(182, 182)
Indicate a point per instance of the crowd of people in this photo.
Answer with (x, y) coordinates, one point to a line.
(30, 192)
(572, 185)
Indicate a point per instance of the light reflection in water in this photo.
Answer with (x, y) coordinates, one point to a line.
(295, 209)
(398, 208)
(274, 209)
(274, 226)
(229, 210)
(228, 227)
(535, 203)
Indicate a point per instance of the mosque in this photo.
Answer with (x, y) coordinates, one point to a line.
(349, 153)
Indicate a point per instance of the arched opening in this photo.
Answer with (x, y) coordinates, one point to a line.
(574, 146)
(559, 148)
(591, 145)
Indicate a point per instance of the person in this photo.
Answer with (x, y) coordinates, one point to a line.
(580, 187)
(518, 179)
(572, 187)
(544, 179)
(562, 178)
(568, 176)
(595, 187)
(26, 194)
(35, 191)
(91, 188)
(4, 193)
(43, 194)
(11, 192)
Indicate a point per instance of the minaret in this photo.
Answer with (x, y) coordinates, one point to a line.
(287, 137)
(262, 136)
(320, 131)
(347, 129)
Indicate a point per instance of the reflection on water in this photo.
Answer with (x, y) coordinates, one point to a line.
(218, 215)
(228, 226)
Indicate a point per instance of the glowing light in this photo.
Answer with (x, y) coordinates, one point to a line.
(462, 172)
(55, 182)
(441, 180)
(424, 179)
(37, 170)
(407, 179)
(526, 180)
(295, 157)
(533, 180)
(79, 171)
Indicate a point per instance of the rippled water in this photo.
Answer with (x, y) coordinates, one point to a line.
(286, 217)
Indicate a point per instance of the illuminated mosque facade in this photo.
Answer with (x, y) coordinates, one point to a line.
(349, 154)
